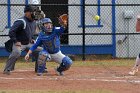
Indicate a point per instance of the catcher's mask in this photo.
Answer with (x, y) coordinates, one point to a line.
(47, 25)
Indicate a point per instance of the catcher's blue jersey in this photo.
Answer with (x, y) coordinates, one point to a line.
(50, 42)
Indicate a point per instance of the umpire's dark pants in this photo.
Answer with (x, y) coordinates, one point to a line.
(15, 54)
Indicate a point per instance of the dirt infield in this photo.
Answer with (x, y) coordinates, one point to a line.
(113, 79)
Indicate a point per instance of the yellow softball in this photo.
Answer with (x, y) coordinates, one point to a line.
(96, 17)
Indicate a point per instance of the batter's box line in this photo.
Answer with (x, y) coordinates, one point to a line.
(74, 79)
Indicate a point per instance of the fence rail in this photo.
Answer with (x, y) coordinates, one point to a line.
(72, 4)
(113, 34)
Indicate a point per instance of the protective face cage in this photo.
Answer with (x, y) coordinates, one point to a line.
(45, 29)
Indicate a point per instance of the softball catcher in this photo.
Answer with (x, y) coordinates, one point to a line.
(49, 37)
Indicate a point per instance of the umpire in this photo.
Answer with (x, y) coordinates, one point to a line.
(21, 33)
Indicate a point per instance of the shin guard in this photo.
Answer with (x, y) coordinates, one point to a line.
(65, 65)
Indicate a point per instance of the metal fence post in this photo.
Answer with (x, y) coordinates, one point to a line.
(83, 26)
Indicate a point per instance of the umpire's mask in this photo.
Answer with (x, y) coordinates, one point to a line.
(31, 9)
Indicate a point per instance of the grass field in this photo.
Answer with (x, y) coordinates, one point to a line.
(21, 64)
(110, 62)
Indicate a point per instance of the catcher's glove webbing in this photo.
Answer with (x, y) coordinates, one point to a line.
(63, 19)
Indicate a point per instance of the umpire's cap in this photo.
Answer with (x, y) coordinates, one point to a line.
(28, 8)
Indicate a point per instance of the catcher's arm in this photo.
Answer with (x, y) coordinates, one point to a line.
(28, 55)
(63, 20)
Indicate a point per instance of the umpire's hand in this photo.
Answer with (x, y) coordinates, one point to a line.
(18, 44)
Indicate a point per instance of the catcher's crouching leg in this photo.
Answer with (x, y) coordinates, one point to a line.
(43, 55)
(35, 55)
(65, 65)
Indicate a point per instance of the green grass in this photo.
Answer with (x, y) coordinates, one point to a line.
(110, 62)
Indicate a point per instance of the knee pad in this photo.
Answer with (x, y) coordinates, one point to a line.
(66, 64)
(67, 61)
(43, 57)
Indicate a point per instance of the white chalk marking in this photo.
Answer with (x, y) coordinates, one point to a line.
(11, 78)
(24, 70)
(72, 79)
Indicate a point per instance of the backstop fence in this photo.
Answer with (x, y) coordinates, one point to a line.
(114, 34)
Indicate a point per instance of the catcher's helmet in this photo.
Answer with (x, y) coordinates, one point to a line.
(48, 27)
(46, 20)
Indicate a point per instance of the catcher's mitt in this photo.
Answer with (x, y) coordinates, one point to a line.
(63, 20)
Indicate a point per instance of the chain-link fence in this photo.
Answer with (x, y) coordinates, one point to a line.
(114, 34)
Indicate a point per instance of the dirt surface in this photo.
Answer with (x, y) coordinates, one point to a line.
(114, 79)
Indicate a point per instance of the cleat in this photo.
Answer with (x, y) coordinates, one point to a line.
(39, 74)
(45, 71)
(133, 71)
(58, 73)
(7, 72)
